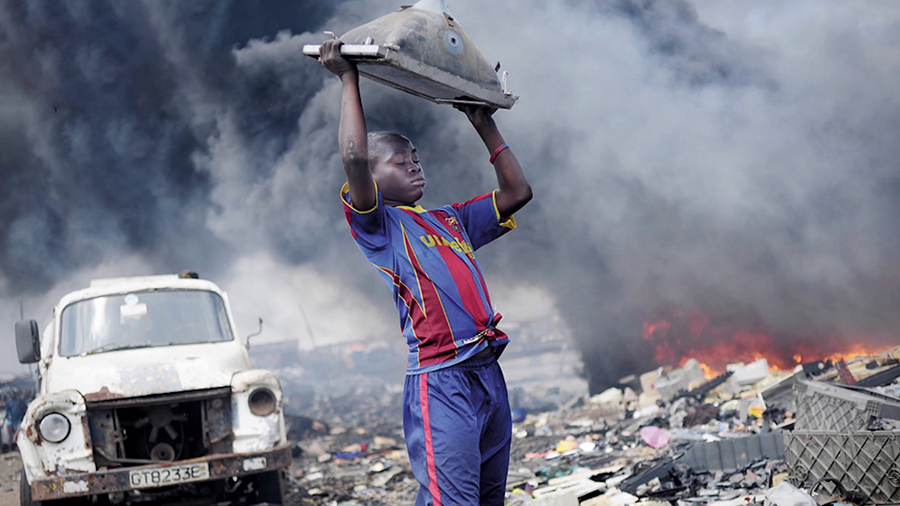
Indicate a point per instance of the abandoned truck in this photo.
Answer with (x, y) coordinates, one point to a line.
(146, 395)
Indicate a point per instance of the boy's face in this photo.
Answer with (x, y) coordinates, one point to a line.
(398, 173)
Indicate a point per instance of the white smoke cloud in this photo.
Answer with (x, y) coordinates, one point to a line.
(303, 304)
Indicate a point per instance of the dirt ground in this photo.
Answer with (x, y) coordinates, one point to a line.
(10, 466)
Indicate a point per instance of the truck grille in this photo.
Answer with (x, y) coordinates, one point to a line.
(160, 428)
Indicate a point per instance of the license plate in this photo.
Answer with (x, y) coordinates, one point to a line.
(172, 475)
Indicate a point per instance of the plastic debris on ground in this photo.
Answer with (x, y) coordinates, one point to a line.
(718, 441)
(748, 436)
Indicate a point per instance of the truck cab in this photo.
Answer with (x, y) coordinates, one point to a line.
(145, 394)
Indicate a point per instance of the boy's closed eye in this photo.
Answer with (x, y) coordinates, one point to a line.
(402, 161)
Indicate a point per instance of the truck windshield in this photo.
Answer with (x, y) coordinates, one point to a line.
(143, 319)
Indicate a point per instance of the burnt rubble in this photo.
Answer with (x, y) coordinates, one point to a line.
(749, 436)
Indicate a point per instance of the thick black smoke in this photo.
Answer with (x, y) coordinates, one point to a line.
(106, 108)
(734, 159)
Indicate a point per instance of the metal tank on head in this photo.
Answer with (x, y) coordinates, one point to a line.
(421, 49)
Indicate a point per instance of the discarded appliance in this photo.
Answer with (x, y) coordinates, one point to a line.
(422, 50)
(680, 379)
(745, 375)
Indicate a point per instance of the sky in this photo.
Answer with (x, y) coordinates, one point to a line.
(737, 159)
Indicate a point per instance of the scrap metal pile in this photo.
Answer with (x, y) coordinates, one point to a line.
(671, 436)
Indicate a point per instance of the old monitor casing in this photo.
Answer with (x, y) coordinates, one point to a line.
(423, 50)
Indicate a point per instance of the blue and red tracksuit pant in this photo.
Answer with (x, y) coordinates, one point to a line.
(458, 430)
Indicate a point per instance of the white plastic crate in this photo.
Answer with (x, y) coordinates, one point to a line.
(863, 463)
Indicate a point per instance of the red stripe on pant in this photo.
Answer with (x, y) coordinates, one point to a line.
(429, 445)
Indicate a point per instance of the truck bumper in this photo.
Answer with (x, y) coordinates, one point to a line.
(221, 466)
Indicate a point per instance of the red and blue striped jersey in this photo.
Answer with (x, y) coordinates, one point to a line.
(428, 260)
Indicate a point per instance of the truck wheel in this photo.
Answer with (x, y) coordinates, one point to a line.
(25, 491)
(270, 487)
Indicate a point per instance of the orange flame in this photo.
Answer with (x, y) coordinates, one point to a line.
(680, 337)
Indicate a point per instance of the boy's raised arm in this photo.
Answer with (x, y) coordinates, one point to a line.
(514, 190)
(352, 130)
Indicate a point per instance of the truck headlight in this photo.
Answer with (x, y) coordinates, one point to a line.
(54, 427)
(262, 402)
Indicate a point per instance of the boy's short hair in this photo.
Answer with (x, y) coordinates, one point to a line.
(379, 140)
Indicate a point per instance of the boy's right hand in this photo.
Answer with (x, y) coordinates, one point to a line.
(330, 57)
(479, 115)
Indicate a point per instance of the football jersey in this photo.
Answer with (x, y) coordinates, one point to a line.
(427, 258)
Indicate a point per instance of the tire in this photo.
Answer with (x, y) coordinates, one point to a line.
(25, 491)
(270, 487)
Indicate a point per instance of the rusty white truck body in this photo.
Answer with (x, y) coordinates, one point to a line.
(145, 390)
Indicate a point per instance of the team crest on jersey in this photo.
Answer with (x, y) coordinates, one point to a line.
(453, 223)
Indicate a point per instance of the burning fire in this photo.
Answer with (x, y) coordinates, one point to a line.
(678, 337)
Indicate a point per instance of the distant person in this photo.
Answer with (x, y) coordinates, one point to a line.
(15, 410)
(456, 414)
(6, 433)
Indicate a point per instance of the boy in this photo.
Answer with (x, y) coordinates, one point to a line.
(456, 416)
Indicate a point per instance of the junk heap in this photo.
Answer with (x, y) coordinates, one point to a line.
(823, 433)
